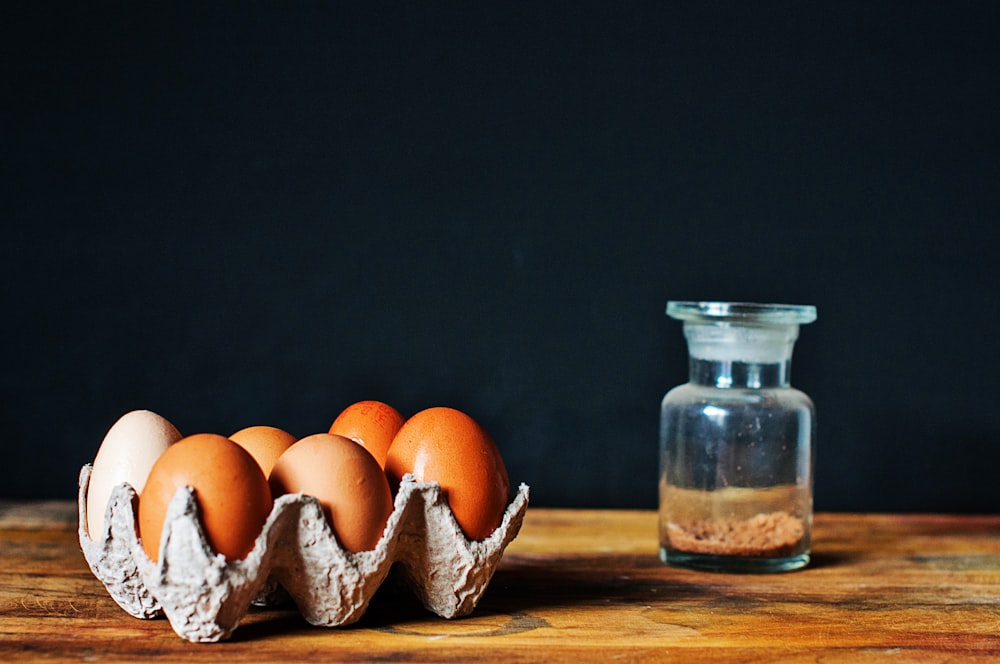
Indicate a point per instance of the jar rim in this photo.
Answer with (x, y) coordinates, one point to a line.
(741, 312)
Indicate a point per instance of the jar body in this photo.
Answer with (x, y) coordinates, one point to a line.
(736, 478)
(737, 445)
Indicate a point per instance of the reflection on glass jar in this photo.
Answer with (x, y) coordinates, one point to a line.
(736, 443)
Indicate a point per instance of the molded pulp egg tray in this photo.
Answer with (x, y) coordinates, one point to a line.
(296, 555)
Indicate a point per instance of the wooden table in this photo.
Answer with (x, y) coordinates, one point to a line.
(575, 586)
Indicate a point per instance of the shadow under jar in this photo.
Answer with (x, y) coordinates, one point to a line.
(736, 443)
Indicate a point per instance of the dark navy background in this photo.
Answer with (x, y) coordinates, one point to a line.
(258, 213)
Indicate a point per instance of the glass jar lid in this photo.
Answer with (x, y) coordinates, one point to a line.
(747, 313)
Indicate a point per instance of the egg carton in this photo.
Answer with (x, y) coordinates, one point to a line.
(296, 556)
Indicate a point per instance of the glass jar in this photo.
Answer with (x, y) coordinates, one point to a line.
(736, 443)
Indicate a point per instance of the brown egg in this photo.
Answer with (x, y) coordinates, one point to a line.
(231, 491)
(447, 446)
(345, 479)
(265, 444)
(371, 424)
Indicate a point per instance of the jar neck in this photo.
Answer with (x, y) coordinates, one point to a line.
(738, 374)
(740, 355)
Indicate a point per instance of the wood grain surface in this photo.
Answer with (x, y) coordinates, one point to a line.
(575, 586)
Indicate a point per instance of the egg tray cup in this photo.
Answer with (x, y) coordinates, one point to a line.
(296, 555)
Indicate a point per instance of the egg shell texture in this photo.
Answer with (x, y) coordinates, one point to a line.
(373, 424)
(264, 443)
(204, 595)
(446, 446)
(346, 480)
(229, 486)
(129, 449)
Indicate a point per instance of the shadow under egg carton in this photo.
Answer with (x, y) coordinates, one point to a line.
(204, 596)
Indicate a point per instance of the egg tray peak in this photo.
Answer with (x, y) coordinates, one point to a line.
(296, 556)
